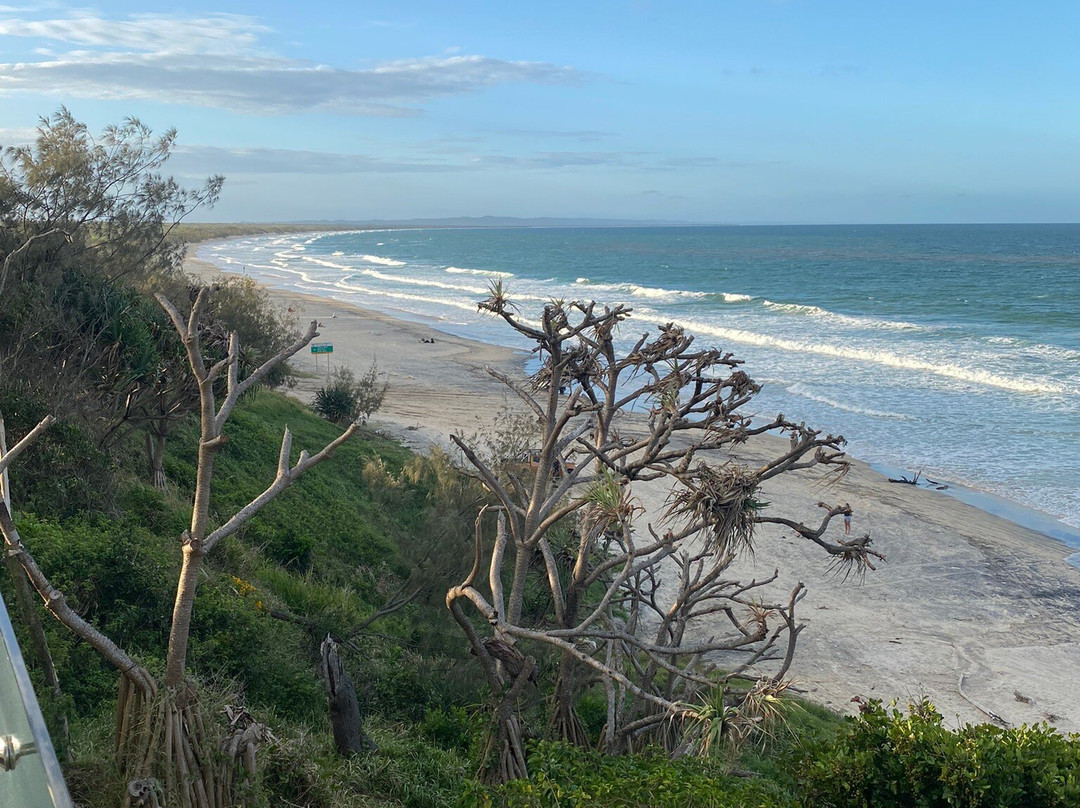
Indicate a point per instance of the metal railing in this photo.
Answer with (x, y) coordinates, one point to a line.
(29, 771)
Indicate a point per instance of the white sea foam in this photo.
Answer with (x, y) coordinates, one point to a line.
(378, 259)
(634, 290)
(451, 302)
(947, 370)
(406, 279)
(657, 292)
(730, 297)
(844, 319)
(794, 308)
(414, 281)
(484, 272)
(328, 264)
(801, 390)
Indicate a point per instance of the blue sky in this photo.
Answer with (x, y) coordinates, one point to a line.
(742, 111)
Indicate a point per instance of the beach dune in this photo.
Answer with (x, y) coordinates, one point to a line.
(970, 610)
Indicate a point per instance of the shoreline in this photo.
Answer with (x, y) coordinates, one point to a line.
(1023, 515)
(971, 609)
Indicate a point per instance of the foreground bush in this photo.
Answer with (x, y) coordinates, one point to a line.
(888, 759)
(564, 775)
(347, 399)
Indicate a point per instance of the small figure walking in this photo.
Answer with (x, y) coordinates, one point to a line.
(847, 519)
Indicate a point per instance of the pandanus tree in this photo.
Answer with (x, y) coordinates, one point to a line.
(625, 593)
(164, 743)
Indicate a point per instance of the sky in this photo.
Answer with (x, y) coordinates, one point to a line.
(729, 111)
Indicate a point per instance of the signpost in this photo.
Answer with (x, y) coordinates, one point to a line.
(323, 348)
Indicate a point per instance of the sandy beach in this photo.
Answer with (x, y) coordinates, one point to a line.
(970, 610)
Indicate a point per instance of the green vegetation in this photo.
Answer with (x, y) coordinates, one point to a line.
(333, 550)
(347, 399)
(362, 548)
(565, 775)
(886, 759)
(326, 555)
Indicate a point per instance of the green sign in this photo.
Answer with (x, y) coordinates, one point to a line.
(322, 347)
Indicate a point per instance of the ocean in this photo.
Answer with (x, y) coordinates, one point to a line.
(948, 350)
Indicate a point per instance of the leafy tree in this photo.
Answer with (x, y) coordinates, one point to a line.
(97, 202)
(85, 226)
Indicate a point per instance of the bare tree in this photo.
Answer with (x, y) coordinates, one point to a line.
(622, 595)
(161, 733)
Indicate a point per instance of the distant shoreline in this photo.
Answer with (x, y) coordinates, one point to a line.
(198, 232)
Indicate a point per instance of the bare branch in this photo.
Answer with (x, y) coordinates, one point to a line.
(6, 267)
(280, 483)
(58, 606)
(9, 457)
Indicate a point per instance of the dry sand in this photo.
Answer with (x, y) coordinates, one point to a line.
(966, 600)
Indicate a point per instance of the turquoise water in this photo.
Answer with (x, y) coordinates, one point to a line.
(950, 350)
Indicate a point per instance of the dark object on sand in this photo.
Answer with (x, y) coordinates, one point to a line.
(912, 481)
(915, 481)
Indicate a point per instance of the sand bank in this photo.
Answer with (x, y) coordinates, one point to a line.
(971, 610)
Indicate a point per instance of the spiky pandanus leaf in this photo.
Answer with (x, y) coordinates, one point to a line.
(609, 503)
(722, 499)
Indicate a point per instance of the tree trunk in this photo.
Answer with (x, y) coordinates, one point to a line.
(565, 723)
(504, 757)
(170, 754)
(181, 617)
(522, 557)
(155, 455)
(24, 599)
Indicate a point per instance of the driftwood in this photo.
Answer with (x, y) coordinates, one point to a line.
(915, 481)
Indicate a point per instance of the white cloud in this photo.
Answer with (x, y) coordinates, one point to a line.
(161, 33)
(231, 161)
(199, 160)
(18, 136)
(217, 61)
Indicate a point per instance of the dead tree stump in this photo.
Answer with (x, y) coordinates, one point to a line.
(349, 735)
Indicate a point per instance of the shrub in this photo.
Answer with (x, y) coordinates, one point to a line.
(563, 775)
(887, 759)
(349, 399)
(452, 728)
(62, 474)
(405, 772)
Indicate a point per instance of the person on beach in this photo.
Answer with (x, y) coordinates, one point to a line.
(847, 519)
